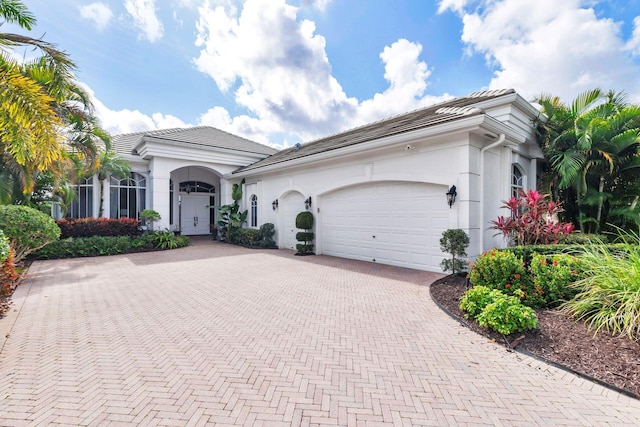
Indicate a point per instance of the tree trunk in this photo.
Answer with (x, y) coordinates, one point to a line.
(101, 208)
(600, 202)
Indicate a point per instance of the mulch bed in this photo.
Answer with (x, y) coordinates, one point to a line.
(611, 360)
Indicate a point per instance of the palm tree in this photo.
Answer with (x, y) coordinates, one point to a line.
(110, 164)
(43, 111)
(590, 146)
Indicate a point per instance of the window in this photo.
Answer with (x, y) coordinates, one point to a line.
(516, 181)
(170, 201)
(254, 211)
(196, 187)
(128, 196)
(82, 206)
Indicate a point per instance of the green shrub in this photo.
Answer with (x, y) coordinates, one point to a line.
(4, 247)
(506, 315)
(500, 270)
(85, 247)
(27, 229)
(167, 240)
(304, 220)
(585, 239)
(476, 299)
(246, 236)
(110, 245)
(149, 216)
(267, 231)
(553, 276)
(455, 242)
(608, 296)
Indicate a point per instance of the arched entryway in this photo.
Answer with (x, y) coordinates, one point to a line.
(193, 191)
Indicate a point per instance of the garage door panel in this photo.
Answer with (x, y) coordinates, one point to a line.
(407, 220)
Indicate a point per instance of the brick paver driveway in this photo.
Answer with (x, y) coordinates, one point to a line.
(215, 334)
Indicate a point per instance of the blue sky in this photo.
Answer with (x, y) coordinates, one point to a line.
(284, 71)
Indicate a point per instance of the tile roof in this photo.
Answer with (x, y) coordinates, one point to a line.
(203, 136)
(436, 114)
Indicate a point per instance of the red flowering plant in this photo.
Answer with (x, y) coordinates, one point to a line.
(533, 220)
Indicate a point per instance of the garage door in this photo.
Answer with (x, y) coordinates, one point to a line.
(291, 206)
(390, 223)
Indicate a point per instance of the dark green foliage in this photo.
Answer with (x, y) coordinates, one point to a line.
(110, 245)
(149, 216)
(246, 236)
(267, 231)
(499, 312)
(87, 227)
(304, 236)
(85, 247)
(230, 219)
(304, 220)
(27, 229)
(455, 242)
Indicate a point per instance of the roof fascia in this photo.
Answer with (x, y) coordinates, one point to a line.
(142, 147)
(466, 124)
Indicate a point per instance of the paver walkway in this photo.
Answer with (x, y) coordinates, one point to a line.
(216, 334)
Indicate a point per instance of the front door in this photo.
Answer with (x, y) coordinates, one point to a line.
(195, 214)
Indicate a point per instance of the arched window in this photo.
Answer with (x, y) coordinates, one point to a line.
(196, 187)
(128, 196)
(517, 181)
(254, 211)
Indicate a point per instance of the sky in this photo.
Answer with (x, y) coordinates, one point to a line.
(281, 72)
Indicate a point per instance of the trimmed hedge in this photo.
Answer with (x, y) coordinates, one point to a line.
(110, 245)
(87, 227)
(27, 229)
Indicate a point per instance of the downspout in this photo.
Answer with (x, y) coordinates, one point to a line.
(494, 144)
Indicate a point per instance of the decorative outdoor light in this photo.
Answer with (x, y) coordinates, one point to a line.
(274, 204)
(307, 203)
(451, 196)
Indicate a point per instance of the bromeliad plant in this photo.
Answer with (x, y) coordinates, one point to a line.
(532, 220)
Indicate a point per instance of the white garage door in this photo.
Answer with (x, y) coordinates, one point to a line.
(395, 223)
(291, 206)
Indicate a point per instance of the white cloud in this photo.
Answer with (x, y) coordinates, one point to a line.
(277, 68)
(319, 4)
(145, 19)
(98, 13)
(407, 77)
(633, 45)
(550, 46)
(455, 5)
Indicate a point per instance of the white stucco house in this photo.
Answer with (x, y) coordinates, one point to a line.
(378, 192)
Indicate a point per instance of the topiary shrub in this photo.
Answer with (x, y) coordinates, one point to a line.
(267, 231)
(455, 242)
(304, 220)
(27, 229)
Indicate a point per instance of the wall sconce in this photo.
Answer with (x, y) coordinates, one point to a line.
(274, 204)
(451, 196)
(307, 203)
